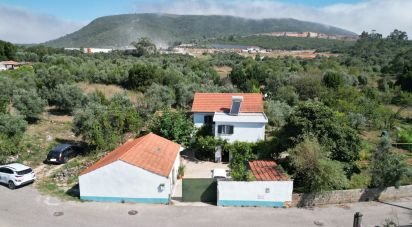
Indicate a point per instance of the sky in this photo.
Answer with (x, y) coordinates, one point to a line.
(35, 21)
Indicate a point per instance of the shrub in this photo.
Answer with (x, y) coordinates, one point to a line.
(333, 79)
(387, 169)
(313, 170)
(241, 153)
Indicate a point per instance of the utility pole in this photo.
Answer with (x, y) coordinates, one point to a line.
(357, 220)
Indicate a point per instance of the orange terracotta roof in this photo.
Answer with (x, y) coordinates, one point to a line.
(221, 102)
(150, 152)
(266, 171)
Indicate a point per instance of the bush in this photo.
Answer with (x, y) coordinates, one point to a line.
(360, 180)
(405, 136)
(387, 169)
(241, 153)
(333, 79)
(313, 170)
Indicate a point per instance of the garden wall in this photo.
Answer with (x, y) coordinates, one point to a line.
(350, 196)
(254, 193)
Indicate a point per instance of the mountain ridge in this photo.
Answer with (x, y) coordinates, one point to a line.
(116, 31)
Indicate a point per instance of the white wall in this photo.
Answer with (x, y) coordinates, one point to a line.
(122, 180)
(173, 173)
(254, 193)
(199, 118)
(244, 132)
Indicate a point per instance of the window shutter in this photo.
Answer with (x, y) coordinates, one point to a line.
(219, 129)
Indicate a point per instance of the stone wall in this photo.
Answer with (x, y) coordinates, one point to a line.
(350, 196)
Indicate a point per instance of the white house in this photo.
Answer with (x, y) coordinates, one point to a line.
(143, 170)
(233, 116)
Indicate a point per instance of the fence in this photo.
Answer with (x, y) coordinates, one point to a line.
(254, 193)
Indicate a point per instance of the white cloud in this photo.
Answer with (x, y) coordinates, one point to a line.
(22, 26)
(382, 15)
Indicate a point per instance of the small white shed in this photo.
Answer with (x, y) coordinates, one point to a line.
(143, 171)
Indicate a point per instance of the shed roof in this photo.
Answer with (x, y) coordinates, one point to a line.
(150, 152)
(221, 102)
(266, 171)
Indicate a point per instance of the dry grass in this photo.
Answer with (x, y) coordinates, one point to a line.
(223, 71)
(109, 90)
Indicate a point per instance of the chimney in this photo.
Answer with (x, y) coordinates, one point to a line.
(236, 104)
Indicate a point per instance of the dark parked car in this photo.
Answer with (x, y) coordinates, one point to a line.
(63, 153)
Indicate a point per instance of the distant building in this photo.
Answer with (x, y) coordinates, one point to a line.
(91, 50)
(10, 65)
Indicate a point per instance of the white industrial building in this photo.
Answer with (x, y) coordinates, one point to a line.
(143, 171)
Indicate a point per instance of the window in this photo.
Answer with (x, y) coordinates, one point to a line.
(26, 171)
(208, 119)
(225, 129)
(6, 170)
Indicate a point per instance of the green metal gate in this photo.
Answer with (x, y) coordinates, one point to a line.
(199, 190)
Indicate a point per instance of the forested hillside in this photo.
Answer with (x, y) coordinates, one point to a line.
(164, 29)
(339, 119)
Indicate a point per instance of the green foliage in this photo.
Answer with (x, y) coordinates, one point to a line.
(405, 136)
(387, 169)
(144, 46)
(7, 51)
(206, 147)
(12, 127)
(103, 126)
(67, 97)
(11, 133)
(241, 153)
(28, 103)
(141, 76)
(333, 79)
(318, 120)
(173, 125)
(287, 43)
(360, 180)
(159, 97)
(313, 170)
(277, 112)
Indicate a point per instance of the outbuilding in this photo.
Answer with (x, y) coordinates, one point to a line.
(143, 170)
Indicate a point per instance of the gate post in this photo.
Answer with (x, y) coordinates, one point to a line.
(357, 220)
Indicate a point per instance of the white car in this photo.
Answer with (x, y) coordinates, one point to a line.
(219, 173)
(16, 174)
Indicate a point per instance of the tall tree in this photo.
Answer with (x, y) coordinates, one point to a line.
(144, 46)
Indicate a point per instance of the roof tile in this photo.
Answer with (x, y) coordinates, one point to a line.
(150, 152)
(266, 171)
(221, 102)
